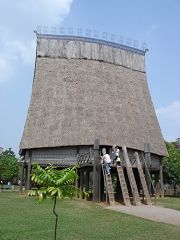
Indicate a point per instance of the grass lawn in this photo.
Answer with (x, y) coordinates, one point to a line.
(22, 218)
(168, 202)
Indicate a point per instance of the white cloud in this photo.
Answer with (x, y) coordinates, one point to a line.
(20, 50)
(44, 11)
(24, 14)
(5, 70)
(169, 119)
(17, 41)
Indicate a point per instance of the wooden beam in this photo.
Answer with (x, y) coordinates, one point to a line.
(77, 181)
(87, 173)
(96, 172)
(161, 179)
(132, 181)
(81, 179)
(22, 177)
(147, 156)
(29, 171)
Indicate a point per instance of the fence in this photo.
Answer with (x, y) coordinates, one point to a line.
(91, 34)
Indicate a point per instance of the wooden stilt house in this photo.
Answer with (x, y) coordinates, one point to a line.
(86, 89)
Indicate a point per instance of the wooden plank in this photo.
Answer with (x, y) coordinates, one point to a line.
(22, 176)
(147, 156)
(123, 186)
(29, 171)
(136, 198)
(96, 172)
(109, 188)
(142, 179)
(161, 180)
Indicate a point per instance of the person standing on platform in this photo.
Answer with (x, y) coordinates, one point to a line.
(118, 160)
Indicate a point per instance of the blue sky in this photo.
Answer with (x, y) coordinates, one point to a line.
(155, 22)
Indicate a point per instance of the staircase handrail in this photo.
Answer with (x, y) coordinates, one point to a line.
(84, 159)
(104, 175)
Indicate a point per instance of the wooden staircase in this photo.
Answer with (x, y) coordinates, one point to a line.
(127, 164)
(143, 181)
(123, 186)
(109, 188)
(136, 198)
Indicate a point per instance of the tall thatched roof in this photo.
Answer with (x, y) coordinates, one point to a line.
(86, 89)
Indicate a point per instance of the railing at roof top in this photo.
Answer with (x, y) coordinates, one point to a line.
(93, 36)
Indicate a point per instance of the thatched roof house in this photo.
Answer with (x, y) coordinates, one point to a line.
(85, 89)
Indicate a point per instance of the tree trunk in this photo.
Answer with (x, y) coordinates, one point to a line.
(55, 229)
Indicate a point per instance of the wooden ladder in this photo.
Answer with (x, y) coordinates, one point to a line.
(109, 187)
(143, 181)
(123, 186)
(136, 198)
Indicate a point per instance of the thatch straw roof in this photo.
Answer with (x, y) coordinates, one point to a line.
(84, 90)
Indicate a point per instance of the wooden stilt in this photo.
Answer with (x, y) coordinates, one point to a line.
(86, 180)
(96, 172)
(25, 176)
(29, 171)
(123, 185)
(147, 156)
(136, 198)
(82, 180)
(161, 179)
(22, 177)
(142, 179)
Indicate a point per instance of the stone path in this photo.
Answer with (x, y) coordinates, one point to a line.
(154, 213)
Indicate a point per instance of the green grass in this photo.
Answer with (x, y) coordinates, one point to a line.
(168, 202)
(22, 218)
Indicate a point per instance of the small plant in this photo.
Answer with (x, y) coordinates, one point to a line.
(55, 184)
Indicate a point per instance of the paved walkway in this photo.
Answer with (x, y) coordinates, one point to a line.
(154, 213)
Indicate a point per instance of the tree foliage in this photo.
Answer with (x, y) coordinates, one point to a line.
(172, 165)
(8, 165)
(55, 184)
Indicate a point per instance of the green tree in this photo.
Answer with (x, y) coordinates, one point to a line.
(172, 165)
(55, 184)
(8, 165)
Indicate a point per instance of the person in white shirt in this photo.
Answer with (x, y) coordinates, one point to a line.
(117, 151)
(117, 155)
(106, 163)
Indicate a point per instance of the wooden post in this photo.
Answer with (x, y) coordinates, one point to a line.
(142, 179)
(25, 175)
(100, 181)
(77, 181)
(161, 179)
(102, 186)
(147, 156)
(96, 172)
(118, 188)
(82, 180)
(29, 171)
(22, 176)
(86, 179)
(132, 181)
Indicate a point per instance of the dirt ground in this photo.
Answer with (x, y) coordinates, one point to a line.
(154, 213)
